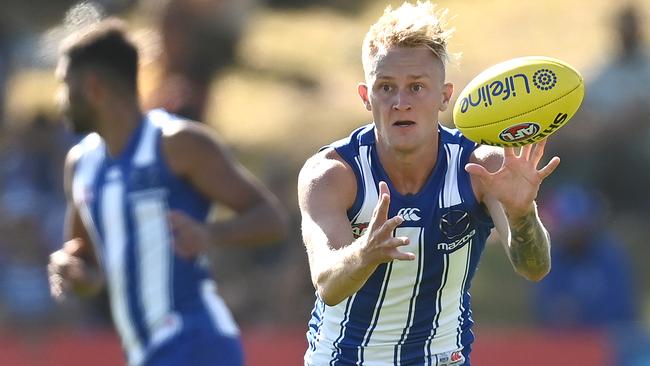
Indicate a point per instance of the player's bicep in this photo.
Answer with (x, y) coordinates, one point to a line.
(326, 189)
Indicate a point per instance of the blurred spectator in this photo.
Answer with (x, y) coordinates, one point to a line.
(199, 40)
(607, 142)
(591, 284)
(32, 183)
(627, 72)
(32, 207)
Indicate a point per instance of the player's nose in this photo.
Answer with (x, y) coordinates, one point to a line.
(402, 101)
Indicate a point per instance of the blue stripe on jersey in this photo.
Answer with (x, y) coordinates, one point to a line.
(377, 311)
(315, 323)
(360, 319)
(337, 350)
(425, 308)
(438, 305)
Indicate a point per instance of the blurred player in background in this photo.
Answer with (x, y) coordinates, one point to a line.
(139, 189)
(395, 217)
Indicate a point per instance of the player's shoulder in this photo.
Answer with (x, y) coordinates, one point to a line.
(183, 137)
(184, 143)
(90, 144)
(326, 170)
(327, 164)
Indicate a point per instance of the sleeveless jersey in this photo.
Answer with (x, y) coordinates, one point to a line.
(408, 312)
(123, 202)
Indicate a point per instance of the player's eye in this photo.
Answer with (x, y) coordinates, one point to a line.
(416, 88)
(385, 87)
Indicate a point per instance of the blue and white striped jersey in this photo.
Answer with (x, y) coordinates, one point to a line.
(408, 312)
(123, 202)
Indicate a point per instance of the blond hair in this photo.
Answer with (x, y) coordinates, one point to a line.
(410, 26)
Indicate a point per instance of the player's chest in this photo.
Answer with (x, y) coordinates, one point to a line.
(438, 229)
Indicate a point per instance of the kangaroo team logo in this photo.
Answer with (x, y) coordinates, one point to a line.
(519, 132)
(544, 79)
(454, 223)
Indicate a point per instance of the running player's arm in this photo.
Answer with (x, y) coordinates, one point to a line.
(340, 265)
(523, 235)
(196, 155)
(74, 267)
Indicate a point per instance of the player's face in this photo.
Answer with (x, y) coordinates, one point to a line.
(405, 91)
(76, 107)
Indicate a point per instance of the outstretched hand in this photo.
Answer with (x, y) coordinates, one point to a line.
(380, 245)
(517, 182)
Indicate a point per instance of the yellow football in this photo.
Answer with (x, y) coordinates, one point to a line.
(519, 101)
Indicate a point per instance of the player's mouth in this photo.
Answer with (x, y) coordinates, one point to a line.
(404, 123)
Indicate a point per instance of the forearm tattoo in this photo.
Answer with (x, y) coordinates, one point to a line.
(529, 248)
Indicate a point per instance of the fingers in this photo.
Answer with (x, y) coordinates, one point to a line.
(538, 152)
(549, 168)
(390, 225)
(383, 188)
(380, 215)
(477, 170)
(403, 256)
(62, 269)
(393, 245)
(509, 153)
(525, 151)
(74, 246)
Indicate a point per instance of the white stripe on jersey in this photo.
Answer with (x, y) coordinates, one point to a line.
(90, 151)
(155, 255)
(461, 307)
(375, 317)
(332, 327)
(145, 154)
(449, 296)
(450, 196)
(221, 317)
(371, 187)
(116, 237)
(401, 290)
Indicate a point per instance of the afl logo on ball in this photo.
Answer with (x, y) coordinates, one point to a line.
(519, 132)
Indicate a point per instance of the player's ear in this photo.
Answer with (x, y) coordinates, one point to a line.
(447, 91)
(362, 89)
(93, 86)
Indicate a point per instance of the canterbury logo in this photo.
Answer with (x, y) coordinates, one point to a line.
(409, 214)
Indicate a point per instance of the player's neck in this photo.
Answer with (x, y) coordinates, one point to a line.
(117, 124)
(409, 171)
